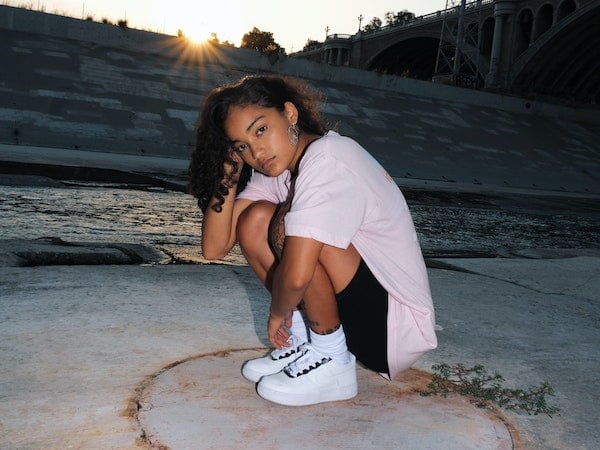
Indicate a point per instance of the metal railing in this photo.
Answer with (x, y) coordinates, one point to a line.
(338, 36)
(417, 21)
(434, 16)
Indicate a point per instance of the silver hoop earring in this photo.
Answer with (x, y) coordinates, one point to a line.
(293, 135)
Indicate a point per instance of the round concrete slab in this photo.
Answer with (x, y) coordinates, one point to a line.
(204, 402)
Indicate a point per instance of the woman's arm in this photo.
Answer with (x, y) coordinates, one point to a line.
(219, 228)
(291, 279)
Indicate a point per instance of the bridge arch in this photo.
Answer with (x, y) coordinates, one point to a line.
(524, 28)
(565, 61)
(543, 20)
(565, 8)
(414, 57)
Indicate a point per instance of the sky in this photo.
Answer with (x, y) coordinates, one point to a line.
(291, 22)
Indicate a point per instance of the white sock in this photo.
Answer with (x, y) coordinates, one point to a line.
(331, 345)
(298, 327)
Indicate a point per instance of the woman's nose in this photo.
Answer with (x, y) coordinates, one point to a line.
(257, 150)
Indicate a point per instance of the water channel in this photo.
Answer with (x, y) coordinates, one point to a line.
(448, 224)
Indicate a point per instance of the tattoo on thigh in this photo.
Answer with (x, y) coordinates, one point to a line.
(276, 233)
(312, 324)
(324, 332)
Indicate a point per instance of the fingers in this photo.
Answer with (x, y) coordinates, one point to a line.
(229, 167)
(281, 338)
(278, 335)
(237, 158)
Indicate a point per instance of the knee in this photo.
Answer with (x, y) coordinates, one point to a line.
(253, 224)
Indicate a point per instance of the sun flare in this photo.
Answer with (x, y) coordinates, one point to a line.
(196, 35)
(201, 21)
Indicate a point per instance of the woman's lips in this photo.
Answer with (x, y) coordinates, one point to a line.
(267, 164)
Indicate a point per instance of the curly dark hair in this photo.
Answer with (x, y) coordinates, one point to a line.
(208, 177)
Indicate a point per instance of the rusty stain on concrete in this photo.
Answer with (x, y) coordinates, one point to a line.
(204, 399)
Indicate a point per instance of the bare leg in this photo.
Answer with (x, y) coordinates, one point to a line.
(333, 273)
(320, 304)
(251, 231)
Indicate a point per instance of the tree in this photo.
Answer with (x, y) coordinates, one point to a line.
(262, 41)
(389, 18)
(373, 25)
(310, 44)
(399, 18)
(214, 39)
(405, 16)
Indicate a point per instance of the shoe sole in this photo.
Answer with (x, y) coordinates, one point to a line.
(324, 395)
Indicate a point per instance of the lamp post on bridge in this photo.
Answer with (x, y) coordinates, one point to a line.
(360, 19)
(327, 52)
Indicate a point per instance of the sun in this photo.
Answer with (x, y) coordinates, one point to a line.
(197, 35)
(200, 22)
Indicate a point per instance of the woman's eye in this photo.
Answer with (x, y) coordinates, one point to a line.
(240, 148)
(261, 130)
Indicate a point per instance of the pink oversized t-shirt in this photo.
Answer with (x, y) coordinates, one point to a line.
(344, 196)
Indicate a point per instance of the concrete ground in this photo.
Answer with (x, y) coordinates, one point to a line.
(146, 355)
(117, 356)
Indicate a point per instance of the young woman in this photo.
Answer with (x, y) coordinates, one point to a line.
(325, 229)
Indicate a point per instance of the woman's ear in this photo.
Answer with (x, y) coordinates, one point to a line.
(291, 112)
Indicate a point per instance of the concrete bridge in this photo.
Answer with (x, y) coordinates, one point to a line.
(529, 47)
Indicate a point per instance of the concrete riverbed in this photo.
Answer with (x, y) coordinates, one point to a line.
(102, 351)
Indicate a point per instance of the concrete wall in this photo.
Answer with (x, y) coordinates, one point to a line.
(107, 35)
(70, 83)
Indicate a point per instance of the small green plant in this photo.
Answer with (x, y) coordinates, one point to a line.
(484, 388)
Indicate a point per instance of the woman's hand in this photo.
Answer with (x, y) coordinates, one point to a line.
(277, 331)
(219, 227)
(234, 174)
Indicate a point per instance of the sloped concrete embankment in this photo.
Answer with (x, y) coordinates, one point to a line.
(80, 86)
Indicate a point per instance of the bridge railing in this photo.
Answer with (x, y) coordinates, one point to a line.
(434, 16)
(339, 36)
(417, 21)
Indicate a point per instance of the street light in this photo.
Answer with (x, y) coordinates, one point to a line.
(360, 19)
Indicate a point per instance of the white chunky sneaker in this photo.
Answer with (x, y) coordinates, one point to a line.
(310, 379)
(255, 369)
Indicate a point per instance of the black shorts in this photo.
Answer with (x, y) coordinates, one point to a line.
(363, 308)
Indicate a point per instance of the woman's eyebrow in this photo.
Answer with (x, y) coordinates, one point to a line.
(253, 122)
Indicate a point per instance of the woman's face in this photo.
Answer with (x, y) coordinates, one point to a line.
(260, 137)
